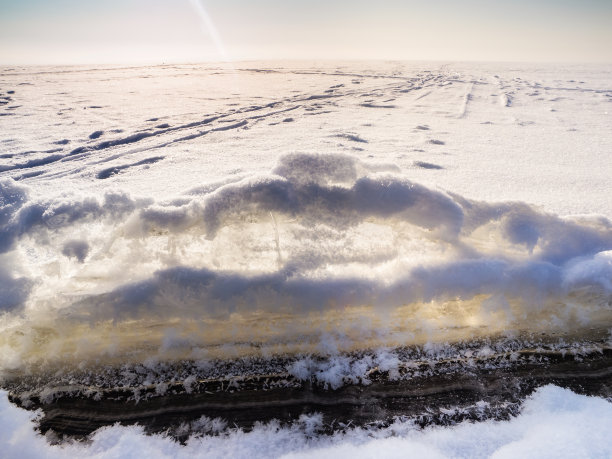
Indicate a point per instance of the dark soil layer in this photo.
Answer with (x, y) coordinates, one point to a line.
(441, 397)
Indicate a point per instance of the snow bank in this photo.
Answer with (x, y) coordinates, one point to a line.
(324, 243)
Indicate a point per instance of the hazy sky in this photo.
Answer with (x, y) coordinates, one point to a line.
(155, 31)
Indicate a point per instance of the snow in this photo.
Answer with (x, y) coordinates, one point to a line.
(524, 152)
(204, 211)
(205, 203)
(317, 235)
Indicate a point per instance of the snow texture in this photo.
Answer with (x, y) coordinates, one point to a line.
(378, 202)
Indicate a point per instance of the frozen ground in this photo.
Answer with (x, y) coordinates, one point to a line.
(554, 423)
(194, 212)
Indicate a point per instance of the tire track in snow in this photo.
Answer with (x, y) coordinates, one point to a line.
(339, 92)
(466, 100)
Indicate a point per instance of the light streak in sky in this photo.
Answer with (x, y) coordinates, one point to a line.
(209, 27)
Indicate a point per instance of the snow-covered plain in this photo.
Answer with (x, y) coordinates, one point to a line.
(217, 211)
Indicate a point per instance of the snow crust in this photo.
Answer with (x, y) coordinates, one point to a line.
(321, 235)
(289, 251)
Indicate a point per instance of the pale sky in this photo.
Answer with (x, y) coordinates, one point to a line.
(157, 31)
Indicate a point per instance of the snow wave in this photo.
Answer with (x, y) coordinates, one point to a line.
(323, 245)
(554, 423)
